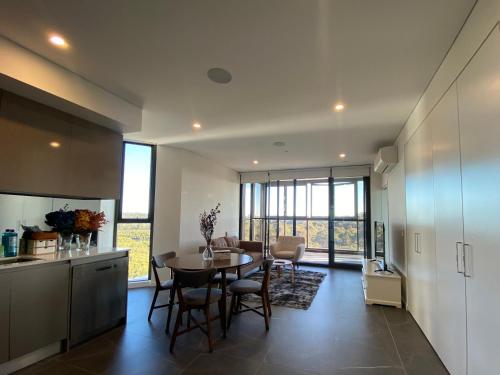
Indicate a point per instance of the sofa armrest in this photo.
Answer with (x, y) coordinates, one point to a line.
(253, 246)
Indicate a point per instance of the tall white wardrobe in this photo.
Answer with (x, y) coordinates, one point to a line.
(452, 165)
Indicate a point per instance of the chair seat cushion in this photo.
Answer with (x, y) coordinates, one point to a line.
(196, 297)
(230, 277)
(245, 286)
(285, 254)
(167, 284)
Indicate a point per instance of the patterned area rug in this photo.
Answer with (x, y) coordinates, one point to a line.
(283, 293)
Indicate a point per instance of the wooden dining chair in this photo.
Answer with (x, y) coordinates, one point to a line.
(200, 298)
(158, 262)
(246, 286)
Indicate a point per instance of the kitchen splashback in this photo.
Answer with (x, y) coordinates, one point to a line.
(17, 210)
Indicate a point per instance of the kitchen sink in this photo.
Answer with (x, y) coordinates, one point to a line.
(13, 260)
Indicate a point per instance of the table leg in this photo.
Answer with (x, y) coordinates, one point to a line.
(224, 305)
(293, 275)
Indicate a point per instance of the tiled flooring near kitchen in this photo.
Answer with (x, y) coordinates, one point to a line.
(339, 334)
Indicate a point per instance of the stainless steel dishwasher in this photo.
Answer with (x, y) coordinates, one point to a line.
(98, 298)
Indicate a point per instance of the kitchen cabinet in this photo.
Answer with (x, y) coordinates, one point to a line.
(48, 152)
(4, 317)
(98, 297)
(479, 116)
(420, 233)
(38, 307)
(96, 159)
(29, 163)
(450, 340)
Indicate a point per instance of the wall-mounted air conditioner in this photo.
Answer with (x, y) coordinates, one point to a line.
(386, 159)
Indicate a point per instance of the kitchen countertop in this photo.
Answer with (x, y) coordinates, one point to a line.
(72, 256)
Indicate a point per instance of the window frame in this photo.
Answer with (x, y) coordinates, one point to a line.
(119, 219)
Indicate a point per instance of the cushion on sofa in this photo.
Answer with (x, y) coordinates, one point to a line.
(232, 241)
(219, 242)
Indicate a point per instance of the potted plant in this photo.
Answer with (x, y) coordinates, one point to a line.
(207, 227)
(62, 221)
(86, 222)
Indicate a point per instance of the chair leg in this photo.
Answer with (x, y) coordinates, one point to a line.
(231, 309)
(189, 318)
(153, 302)
(238, 304)
(209, 329)
(264, 307)
(170, 307)
(268, 303)
(176, 329)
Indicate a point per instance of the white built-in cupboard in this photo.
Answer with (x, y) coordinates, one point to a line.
(452, 165)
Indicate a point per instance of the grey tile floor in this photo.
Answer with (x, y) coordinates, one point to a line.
(339, 334)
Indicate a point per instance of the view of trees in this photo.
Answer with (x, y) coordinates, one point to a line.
(136, 237)
(314, 231)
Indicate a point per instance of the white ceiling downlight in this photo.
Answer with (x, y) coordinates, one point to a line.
(219, 75)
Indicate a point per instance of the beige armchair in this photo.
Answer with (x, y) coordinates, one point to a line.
(289, 247)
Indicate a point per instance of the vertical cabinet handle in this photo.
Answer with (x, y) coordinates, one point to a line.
(417, 243)
(467, 257)
(459, 258)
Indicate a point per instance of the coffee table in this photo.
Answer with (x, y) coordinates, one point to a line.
(281, 264)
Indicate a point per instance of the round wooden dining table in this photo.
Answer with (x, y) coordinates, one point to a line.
(195, 262)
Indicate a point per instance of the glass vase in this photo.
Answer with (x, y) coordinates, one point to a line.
(208, 253)
(83, 241)
(65, 241)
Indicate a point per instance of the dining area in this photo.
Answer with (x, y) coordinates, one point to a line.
(204, 292)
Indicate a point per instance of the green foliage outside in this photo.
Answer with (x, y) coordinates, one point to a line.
(315, 232)
(136, 237)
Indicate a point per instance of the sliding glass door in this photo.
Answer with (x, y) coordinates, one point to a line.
(330, 213)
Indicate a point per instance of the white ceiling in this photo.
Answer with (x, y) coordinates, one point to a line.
(291, 60)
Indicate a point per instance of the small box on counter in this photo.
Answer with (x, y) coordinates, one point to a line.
(222, 254)
(37, 242)
(37, 247)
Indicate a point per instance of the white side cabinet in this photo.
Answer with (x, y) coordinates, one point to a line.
(382, 288)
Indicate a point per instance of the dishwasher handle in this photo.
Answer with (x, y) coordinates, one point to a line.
(104, 268)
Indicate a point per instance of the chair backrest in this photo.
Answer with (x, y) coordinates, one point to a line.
(158, 261)
(193, 279)
(267, 265)
(290, 242)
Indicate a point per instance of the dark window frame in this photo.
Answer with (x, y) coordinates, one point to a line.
(119, 219)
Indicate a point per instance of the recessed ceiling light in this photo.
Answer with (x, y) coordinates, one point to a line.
(339, 107)
(219, 75)
(58, 40)
(256, 162)
(197, 125)
(342, 156)
(54, 144)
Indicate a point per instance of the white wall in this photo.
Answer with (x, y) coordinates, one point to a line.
(17, 210)
(483, 18)
(187, 184)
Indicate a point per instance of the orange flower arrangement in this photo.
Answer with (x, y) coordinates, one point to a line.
(87, 221)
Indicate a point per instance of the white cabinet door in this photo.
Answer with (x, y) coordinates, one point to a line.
(420, 232)
(479, 117)
(450, 341)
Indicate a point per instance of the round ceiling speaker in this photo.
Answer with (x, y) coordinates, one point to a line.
(279, 143)
(219, 75)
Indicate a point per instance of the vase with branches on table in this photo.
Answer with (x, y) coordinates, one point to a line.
(208, 220)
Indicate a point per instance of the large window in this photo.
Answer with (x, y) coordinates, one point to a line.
(332, 232)
(135, 209)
